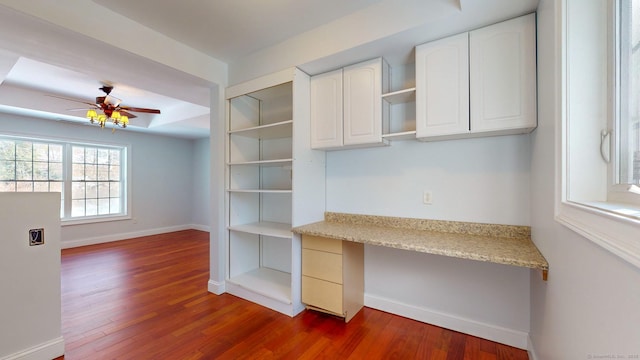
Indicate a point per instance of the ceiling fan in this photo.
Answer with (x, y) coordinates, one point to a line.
(109, 103)
(112, 110)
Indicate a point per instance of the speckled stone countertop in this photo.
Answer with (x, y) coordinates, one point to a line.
(502, 244)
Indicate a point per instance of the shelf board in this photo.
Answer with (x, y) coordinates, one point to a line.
(277, 130)
(264, 163)
(405, 135)
(268, 191)
(267, 282)
(400, 97)
(274, 229)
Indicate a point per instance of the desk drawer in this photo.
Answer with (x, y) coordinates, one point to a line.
(322, 265)
(322, 244)
(322, 294)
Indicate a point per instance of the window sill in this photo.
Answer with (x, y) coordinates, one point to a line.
(614, 227)
(93, 220)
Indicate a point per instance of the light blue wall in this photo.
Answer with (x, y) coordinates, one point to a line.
(589, 307)
(164, 179)
(201, 184)
(475, 180)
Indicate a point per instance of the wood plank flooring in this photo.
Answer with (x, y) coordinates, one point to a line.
(147, 298)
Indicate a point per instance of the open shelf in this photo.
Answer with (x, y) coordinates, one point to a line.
(267, 228)
(405, 135)
(267, 282)
(261, 191)
(264, 163)
(277, 130)
(400, 97)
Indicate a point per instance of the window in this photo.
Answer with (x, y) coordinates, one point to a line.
(89, 177)
(598, 186)
(626, 123)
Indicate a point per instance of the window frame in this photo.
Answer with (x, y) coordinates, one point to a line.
(67, 180)
(599, 222)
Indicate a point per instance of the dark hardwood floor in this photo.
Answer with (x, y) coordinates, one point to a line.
(147, 298)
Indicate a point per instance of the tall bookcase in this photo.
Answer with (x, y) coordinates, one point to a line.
(274, 181)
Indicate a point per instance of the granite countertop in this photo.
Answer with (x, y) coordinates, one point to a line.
(502, 244)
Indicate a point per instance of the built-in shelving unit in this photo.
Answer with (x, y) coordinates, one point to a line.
(268, 175)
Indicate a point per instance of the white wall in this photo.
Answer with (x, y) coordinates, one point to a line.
(475, 180)
(30, 304)
(589, 306)
(162, 185)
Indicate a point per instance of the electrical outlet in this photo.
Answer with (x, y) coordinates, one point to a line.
(427, 198)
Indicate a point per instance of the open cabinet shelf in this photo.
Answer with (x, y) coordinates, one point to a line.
(267, 282)
(274, 162)
(267, 228)
(276, 130)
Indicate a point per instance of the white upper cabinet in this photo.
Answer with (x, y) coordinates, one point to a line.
(503, 76)
(479, 83)
(326, 110)
(442, 87)
(363, 103)
(346, 106)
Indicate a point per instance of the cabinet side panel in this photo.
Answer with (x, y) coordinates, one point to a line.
(353, 265)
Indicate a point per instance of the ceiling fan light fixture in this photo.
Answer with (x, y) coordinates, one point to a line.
(92, 115)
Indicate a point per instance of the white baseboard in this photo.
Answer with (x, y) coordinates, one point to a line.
(215, 287)
(531, 350)
(515, 338)
(130, 235)
(205, 228)
(47, 350)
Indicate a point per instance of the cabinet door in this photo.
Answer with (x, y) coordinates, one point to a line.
(503, 75)
(363, 103)
(442, 87)
(326, 110)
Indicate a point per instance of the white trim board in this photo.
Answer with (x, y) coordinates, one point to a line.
(515, 338)
(130, 235)
(48, 350)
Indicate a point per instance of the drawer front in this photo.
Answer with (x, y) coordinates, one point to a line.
(322, 294)
(322, 265)
(322, 244)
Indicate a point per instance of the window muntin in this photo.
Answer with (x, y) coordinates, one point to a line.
(93, 175)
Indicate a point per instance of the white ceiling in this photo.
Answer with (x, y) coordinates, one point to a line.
(229, 29)
(168, 54)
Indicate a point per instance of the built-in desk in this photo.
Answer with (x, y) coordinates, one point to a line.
(501, 244)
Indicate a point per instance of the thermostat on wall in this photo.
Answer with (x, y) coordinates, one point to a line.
(36, 237)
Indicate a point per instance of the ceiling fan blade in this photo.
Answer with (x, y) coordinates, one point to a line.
(126, 113)
(81, 109)
(143, 110)
(69, 99)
